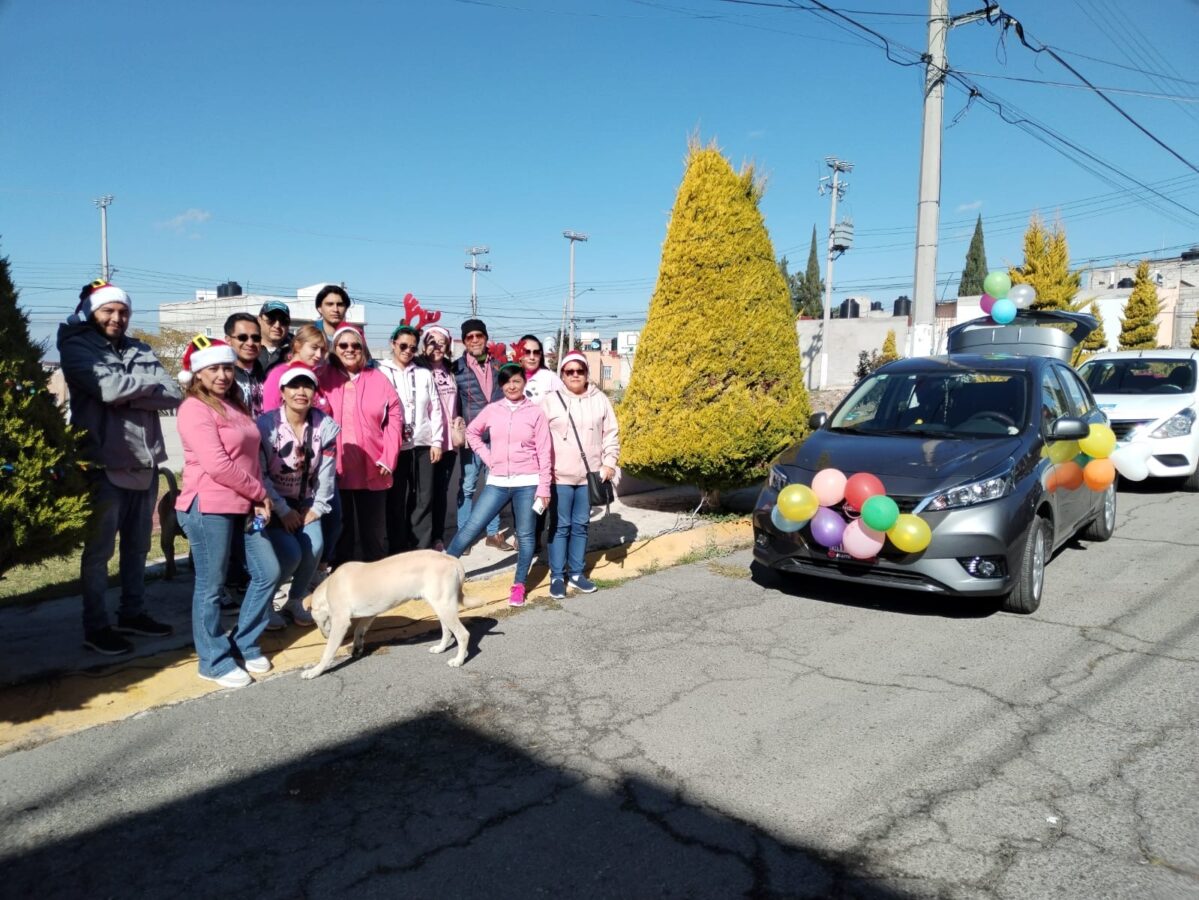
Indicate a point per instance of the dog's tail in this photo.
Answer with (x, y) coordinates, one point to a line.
(172, 485)
(462, 601)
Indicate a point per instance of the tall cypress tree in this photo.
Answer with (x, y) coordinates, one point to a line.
(1047, 267)
(43, 495)
(701, 409)
(975, 270)
(810, 290)
(1138, 325)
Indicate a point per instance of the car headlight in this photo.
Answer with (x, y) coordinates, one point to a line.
(970, 494)
(777, 479)
(1177, 425)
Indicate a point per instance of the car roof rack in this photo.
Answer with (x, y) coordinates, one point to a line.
(1034, 332)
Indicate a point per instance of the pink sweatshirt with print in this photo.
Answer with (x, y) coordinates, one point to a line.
(220, 459)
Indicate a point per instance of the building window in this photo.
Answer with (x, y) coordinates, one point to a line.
(607, 373)
(208, 331)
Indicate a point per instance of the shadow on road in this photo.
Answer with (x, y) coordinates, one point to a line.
(887, 600)
(431, 807)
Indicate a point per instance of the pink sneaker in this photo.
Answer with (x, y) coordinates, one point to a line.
(516, 596)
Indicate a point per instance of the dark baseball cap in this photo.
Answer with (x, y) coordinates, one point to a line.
(275, 306)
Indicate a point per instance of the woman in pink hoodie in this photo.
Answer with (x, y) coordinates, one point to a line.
(223, 499)
(586, 437)
(519, 466)
(365, 405)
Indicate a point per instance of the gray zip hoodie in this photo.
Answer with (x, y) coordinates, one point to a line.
(116, 395)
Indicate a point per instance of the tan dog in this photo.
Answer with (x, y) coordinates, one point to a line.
(357, 592)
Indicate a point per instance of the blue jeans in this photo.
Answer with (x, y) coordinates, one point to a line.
(211, 535)
(491, 501)
(473, 472)
(568, 547)
(298, 553)
(130, 514)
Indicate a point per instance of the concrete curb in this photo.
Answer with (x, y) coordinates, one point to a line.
(43, 710)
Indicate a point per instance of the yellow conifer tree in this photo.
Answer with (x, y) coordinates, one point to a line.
(717, 391)
(1138, 325)
(889, 351)
(1047, 267)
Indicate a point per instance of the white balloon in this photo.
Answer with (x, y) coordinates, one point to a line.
(1131, 462)
(1022, 295)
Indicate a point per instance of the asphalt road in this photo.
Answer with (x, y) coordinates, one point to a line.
(689, 734)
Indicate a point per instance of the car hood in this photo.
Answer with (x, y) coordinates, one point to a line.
(907, 466)
(1138, 407)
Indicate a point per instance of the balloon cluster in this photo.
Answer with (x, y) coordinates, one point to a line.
(870, 516)
(1001, 299)
(1092, 460)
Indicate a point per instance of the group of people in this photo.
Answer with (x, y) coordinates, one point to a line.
(301, 452)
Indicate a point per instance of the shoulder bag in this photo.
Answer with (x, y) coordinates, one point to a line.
(598, 490)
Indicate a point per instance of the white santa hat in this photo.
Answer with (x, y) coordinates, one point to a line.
(573, 356)
(441, 333)
(96, 294)
(296, 370)
(203, 352)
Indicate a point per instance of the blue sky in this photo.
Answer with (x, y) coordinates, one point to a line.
(282, 144)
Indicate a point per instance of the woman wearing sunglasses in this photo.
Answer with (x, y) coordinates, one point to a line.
(410, 500)
(586, 436)
(435, 358)
(309, 347)
(518, 466)
(539, 378)
(363, 402)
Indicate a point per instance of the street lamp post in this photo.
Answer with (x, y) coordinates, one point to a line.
(573, 237)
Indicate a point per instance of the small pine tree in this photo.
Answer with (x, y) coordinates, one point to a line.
(701, 409)
(810, 289)
(1195, 335)
(890, 352)
(975, 270)
(1047, 268)
(1138, 325)
(44, 506)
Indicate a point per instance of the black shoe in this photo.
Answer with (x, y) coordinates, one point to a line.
(108, 642)
(143, 624)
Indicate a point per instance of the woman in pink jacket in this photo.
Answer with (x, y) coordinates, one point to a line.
(519, 466)
(222, 500)
(585, 435)
(365, 405)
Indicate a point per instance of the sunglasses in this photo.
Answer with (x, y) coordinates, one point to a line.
(256, 338)
(531, 352)
(574, 371)
(408, 347)
(355, 347)
(475, 336)
(433, 344)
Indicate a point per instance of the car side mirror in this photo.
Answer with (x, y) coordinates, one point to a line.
(1068, 428)
(817, 420)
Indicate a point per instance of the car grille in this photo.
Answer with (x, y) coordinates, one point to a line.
(1124, 429)
(906, 504)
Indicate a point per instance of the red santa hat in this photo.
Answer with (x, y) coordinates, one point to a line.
(346, 327)
(96, 294)
(573, 356)
(203, 352)
(296, 370)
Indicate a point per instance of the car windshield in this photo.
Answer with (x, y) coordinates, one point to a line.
(1139, 376)
(936, 404)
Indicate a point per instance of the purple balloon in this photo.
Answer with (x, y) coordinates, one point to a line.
(827, 527)
(986, 303)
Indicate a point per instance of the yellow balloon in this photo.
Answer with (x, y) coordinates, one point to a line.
(1060, 451)
(1100, 443)
(797, 502)
(910, 533)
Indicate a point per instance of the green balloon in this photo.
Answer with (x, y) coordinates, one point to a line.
(880, 512)
(997, 284)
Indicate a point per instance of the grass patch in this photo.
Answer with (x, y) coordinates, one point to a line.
(727, 571)
(59, 577)
(710, 550)
(723, 518)
(602, 583)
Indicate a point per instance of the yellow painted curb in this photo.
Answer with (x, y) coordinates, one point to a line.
(37, 712)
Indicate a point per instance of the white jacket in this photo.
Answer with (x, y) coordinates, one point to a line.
(423, 424)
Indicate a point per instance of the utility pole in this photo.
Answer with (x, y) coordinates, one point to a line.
(103, 203)
(928, 205)
(573, 237)
(837, 188)
(475, 268)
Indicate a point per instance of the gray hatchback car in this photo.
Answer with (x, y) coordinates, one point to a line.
(978, 443)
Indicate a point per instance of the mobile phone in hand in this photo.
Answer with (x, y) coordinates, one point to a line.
(538, 506)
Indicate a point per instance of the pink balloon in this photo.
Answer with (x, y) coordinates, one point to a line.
(986, 303)
(861, 541)
(829, 486)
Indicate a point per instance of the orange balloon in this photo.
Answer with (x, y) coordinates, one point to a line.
(1099, 473)
(1051, 479)
(1069, 475)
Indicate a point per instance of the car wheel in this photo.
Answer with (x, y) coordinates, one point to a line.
(1101, 527)
(1026, 595)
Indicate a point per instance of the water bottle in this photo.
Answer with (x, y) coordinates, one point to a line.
(257, 524)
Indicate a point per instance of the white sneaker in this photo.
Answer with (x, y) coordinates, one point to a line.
(281, 596)
(237, 678)
(276, 622)
(259, 666)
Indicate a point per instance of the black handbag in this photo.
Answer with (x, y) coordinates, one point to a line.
(598, 491)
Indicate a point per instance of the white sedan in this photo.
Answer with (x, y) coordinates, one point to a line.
(1150, 398)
